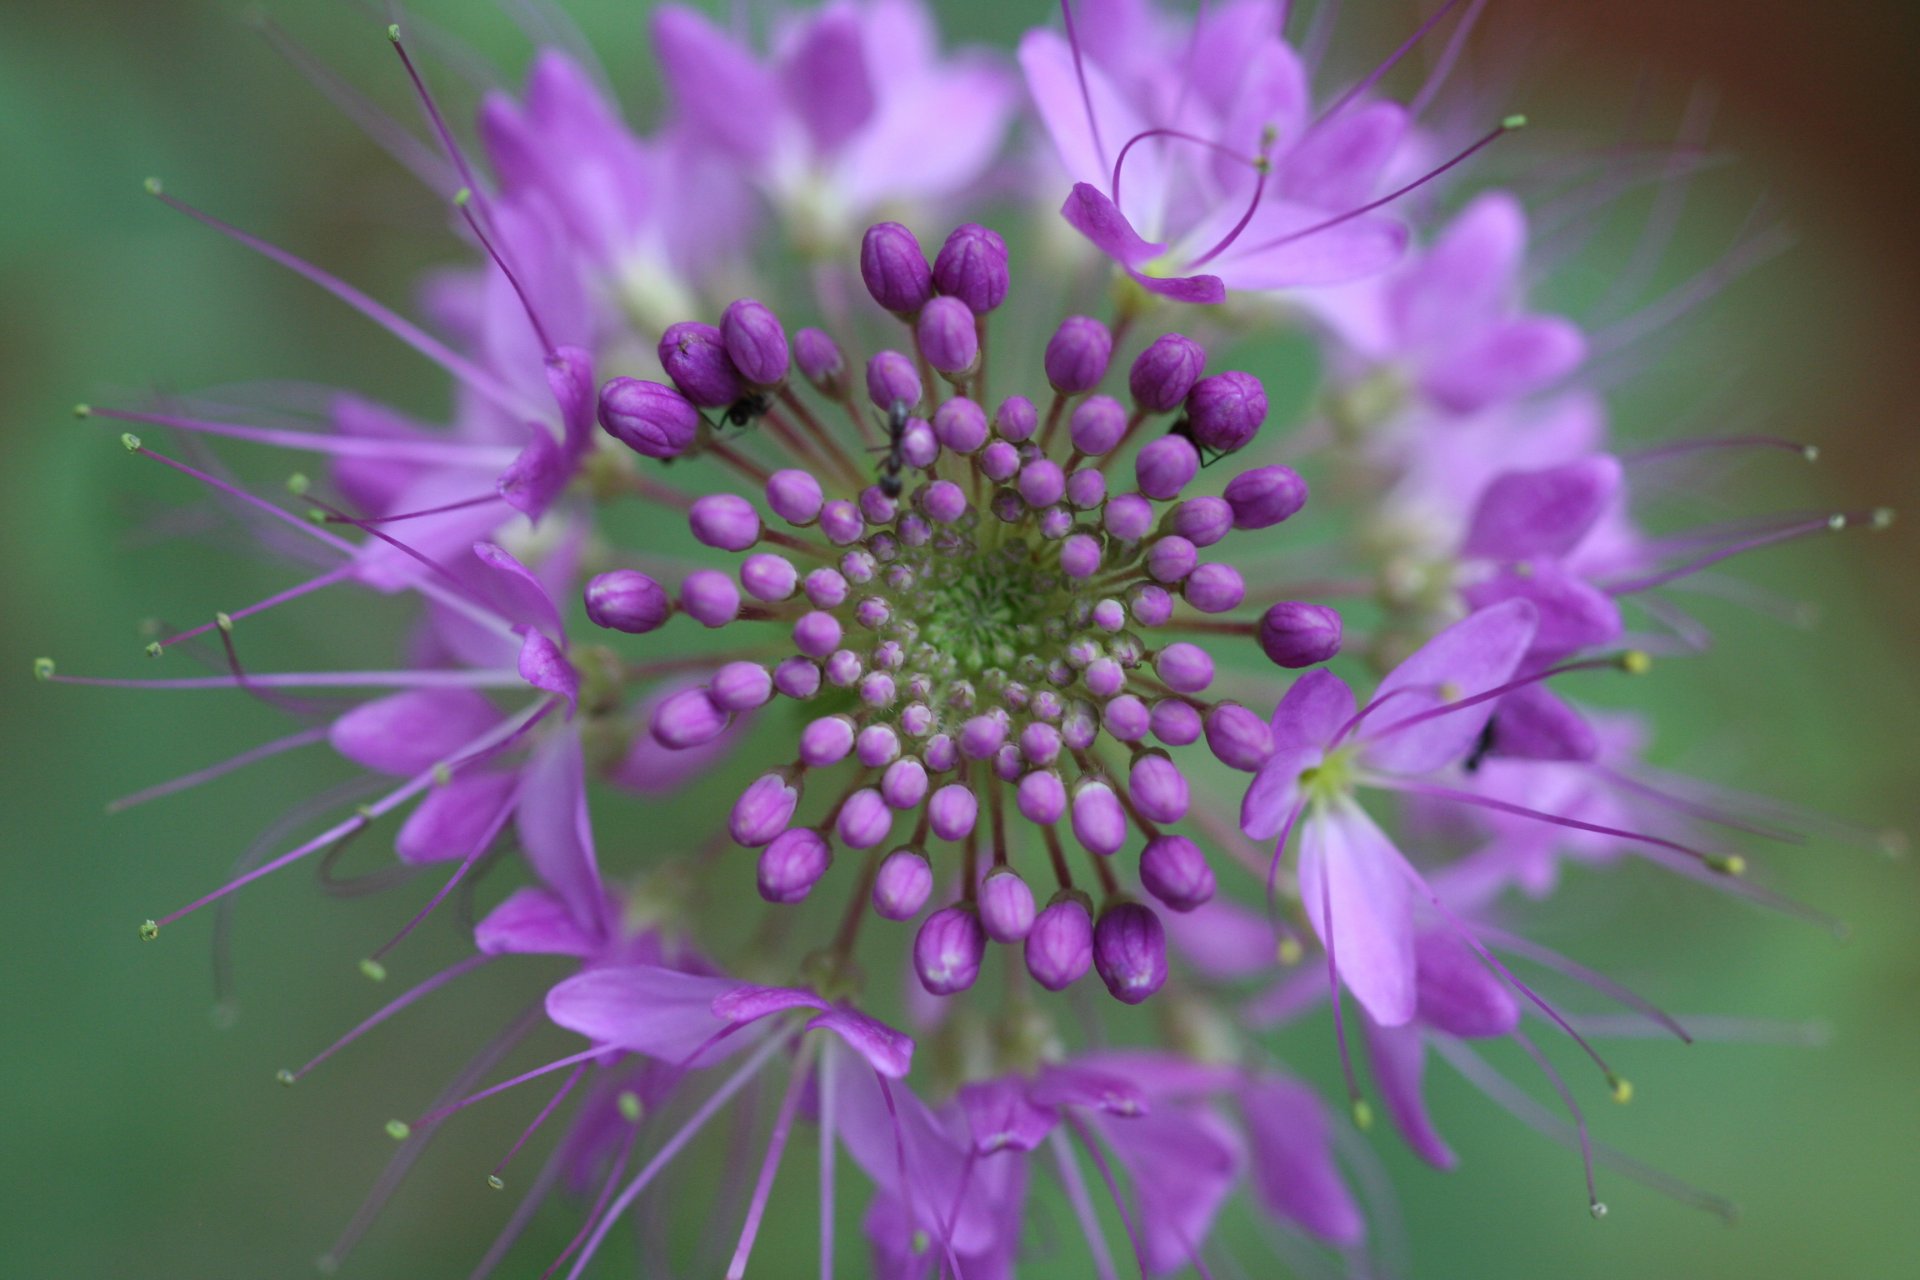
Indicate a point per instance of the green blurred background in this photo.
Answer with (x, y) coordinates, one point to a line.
(136, 1138)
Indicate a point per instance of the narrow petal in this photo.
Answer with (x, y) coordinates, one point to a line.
(1316, 706)
(1275, 791)
(969, 105)
(1089, 212)
(1348, 864)
(1294, 1172)
(452, 820)
(544, 666)
(886, 1050)
(718, 85)
(1001, 1117)
(1070, 1085)
(1183, 1162)
(532, 921)
(1197, 290)
(825, 78)
(1399, 1058)
(1338, 165)
(517, 593)
(1573, 614)
(1478, 653)
(537, 476)
(1222, 939)
(1534, 723)
(1458, 993)
(662, 1013)
(554, 831)
(408, 733)
(1507, 362)
(1524, 515)
(1466, 280)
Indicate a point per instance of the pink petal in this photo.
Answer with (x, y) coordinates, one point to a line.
(718, 85)
(887, 1051)
(662, 1013)
(1459, 994)
(554, 831)
(1478, 653)
(1399, 1055)
(1573, 614)
(451, 821)
(1466, 280)
(1294, 1172)
(1317, 705)
(517, 593)
(1275, 791)
(408, 733)
(1507, 362)
(532, 921)
(1348, 864)
(1523, 515)
(825, 78)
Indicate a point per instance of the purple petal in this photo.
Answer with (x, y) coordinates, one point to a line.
(1275, 790)
(641, 1008)
(1183, 1162)
(887, 1051)
(1338, 165)
(570, 378)
(1478, 653)
(749, 1002)
(1316, 706)
(452, 820)
(1077, 1086)
(1573, 614)
(1294, 1172)
(554, 830)
(1099, 220)
(533, 921)
(1348, 864)
(1533, 723)
(544, 666)
(1055, 88)
(1198, 290)
(1347, 251)
(408, 733)
(878, 1135)
(1507, 362)
(1399, 1056)
(1459, 994)
(825, 78)
(1001, 1117)
(719, 87)
(1465, 280)
(1524, 515)
(1223, 939)
(517, 593)
(372, 484)
(966, 103)
(536, 477)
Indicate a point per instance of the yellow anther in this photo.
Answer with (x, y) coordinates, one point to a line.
(149, 931)
(1362, 1114)
(43, 668)
(398, 1130)
(374, 969)
(1289, 951)
(1622, 1089)
(1636, 662)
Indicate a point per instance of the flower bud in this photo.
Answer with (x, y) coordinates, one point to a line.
(1171, 559)
(1165, 467)
(695, 357)
(903, 884)
(650, 418)
(762, 811)
(945, 502)
(1226, 410)
(741, 686)
(1006, 905)
(626, 600)
(1173, 869)
(1042, 797)
(948, 950)
(894, 269)
(1158, 788)
(891, 380)
(725, 521)
(1128, 517)
(947, 337)
(1016, 419)
(817, 634)
(1060, 944)
(1099, 823)
(864, 819)
(972, 266)
(1237, 737)
(709, 598)
(1165, 372)
(904, 785)
(1265, 496)
(769, 577)
(952, 811)
(1184, 667)
(795, 496)
(960, 425)
(1214, 588)
(1077, 355)
(1096, 425)
(1294, 634)
(1080, 556)
(756, 343)
(821, 362)
(1202, 521)
(1130, 951)
(1176, 722)
(688, 719)
(1041, 483)
(793, 864)
(826, 741)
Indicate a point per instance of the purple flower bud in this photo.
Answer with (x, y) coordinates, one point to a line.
(1202, 521)
(1176, 722)
(841, 522)
(945, 501)
(821, 363)
(891, 380)
(709, 597)
(826, 741)
(1173, 869)
(1060, 944)
(1238, 738)
(903, 884)
(952, 811)
(725, 521)
(1086, 489)
(1080, 556)
(1214, 588)
(756, 343)
(1265, 496)
(1000, 461)
(1165, 372)
(793, 864)
(1042, 797)
(794, 496)
(894, 269)
(1040, 743)
(1184, 668)
(948, 950)
(650, 418)
(960, 425)
(877, 745)
(1165, 467)
(1130, 951)
(1150, 605)
(1016, 419)
(817, 634)
(1006, 905)
(981, 736)
(1128, 517)
(797, 678)
(1226, 410)
(688, 719)
(1104, 677)
(762, 811)
(695, 357)
(1295, 634)
(1159, 789)
(1099, 823)
(843, 668)
(864, 819)
(1077, 355)
(941, 755)
(904, 785)
(1126, 718)
(1171, 559)
(1096, 425)
(741, 686)
(769, 577)
(626, 600)
(947, 338)
(972, 266)
(1041, 483)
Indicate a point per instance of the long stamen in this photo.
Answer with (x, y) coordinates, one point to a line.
(607, 1184)
(405, 330)
(1633, 662)
(462, 200)
(386, 1011)
(225, 620)
(480, 847)
(1507, 126)
(573, 1078)
(1373, 77)
(829, 1140)
(776, 1146)
(1362, 1113)
(435, 452)
(1654, 453)
(441, 1113)
(1595, 1205)
(1443, 66)
(1876, 519)
(434, 117)
(1580, 973)
(1076, 1188)
(1113, 187)
(1080, 74)
(464, 504)
(1264, 168)
(186, 781)
(1092, 1147)
(310, 680)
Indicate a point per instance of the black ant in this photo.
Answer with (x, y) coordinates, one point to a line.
(1482, 748)
(747, 410)
(1208, 456)
(890, 465)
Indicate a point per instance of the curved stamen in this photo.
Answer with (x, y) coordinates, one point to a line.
(225, 621)
(1373, 77)
(553, 1104)
(1219, 148)
(1080, 74)
(1264, 168)
(435, 452)
(386, 1011)
(776, 1147)
(1877, 519)
(1593, 978)
(305, 737)
(462, 201)
(1594, 1204)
